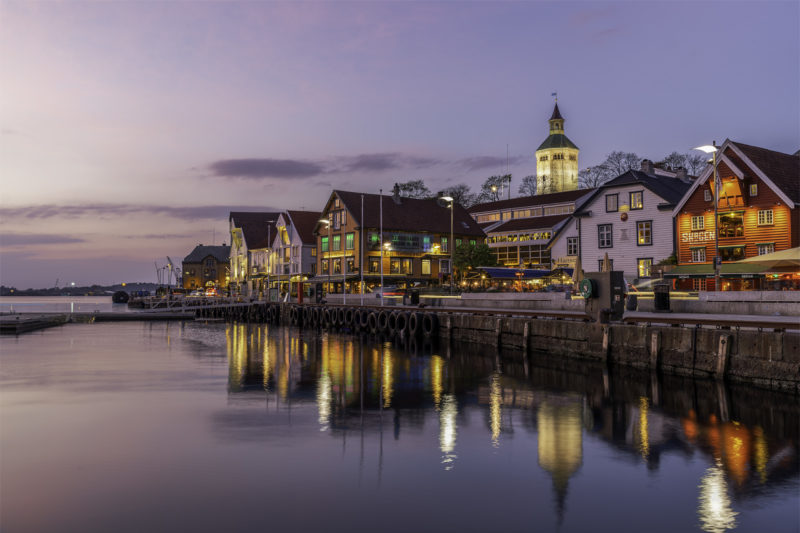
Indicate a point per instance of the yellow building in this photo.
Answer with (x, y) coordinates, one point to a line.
(556, 160)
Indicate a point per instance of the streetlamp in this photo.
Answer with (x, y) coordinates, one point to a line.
(712, 149)
(452, 242)
(330, 264)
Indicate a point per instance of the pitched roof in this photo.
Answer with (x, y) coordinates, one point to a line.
(412, 214)
(256, 227)
(669, 188)
(521, 224)
(220, 253)
(556, 113)
(556, 140)
(305, 222)
(532, 201)
(782, 169)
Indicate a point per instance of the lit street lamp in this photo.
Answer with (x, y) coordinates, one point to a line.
(452, 242)
(712, 149)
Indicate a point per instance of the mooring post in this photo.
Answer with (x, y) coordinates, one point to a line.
(526, 333)
(655, 346)
(723, 348)
(606, 342)
(498, 330)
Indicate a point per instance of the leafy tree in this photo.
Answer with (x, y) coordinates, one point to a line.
(415, 189)
(473, 255)
(493, 187)
(461, 194)
(528, 186)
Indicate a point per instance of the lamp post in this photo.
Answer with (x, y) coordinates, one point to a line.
(380, 198)
(712, 149)
(330, 264)
(452, 243)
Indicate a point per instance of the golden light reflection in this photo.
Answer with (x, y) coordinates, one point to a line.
(644, 435)
(267, 362)
(324, 397)
(690, 428)
(437, 377)
(736, 439)
(760, 453)
(387, 378)
(560, 442)
(715, 510)
(448, 430)
(495, 408)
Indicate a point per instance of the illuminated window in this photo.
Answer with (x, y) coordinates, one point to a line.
(699, 284)
(707, 195)
(444, 244)
(766, 248)
(604, 237)
(337, 266)
(612, 203)
(698, 255)
(644, 266)
(337, 243)
(426, 267)
(753, 189)
(344, 217)
(324, 266)
(644, 233)
(731, 253)
(313, 252)
(374, 264)
(349, 241)
(765, 217)
(731, 225)
(351, 264)
(636, 200)
(324, 244)
(698, 223)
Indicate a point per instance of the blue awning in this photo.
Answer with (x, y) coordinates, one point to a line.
(514, 273)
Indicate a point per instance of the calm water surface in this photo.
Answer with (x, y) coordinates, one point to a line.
(59, 304)
(157, 426)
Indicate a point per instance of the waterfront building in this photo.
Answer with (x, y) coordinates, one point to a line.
(519, 230)
(556, 159)
(629, 218)
(757, 214)
(294, 249)
(251, 234)
(416, 239)
(206, 266)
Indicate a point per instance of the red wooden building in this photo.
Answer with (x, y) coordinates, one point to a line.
(757, 214)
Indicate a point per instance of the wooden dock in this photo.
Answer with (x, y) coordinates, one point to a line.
(16, 324)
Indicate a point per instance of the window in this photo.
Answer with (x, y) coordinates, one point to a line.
(699, 284)
(349, 241)
(731, 225)
(765, 217)
(572, 246)
(335, 219)
(612, 203)
(337, 243)
(754, 189)
(336, 202)
(644, 266)
(426, 267)
(313, 252)
(707, 195)
(473, 242)
(731, 253)
(209, 263)
(324, 244)
(506, 215)
(698, 255)
(344, 217)
(604, 238)
(698, 223)
(324, 266)
(766, 248)
(543, 158)
(636, 200)
(400, 266)
(351, 264)
(406, 266)
(458, 243)
(600, 265)
(644, 233)
(444, 244)
(444, 266)
(337, 265)
(426, 243)
(375, 264)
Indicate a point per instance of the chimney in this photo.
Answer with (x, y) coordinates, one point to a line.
(396, 194)
(647, 166)
(680, 173)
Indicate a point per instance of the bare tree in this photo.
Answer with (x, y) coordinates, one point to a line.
(592, 177)
(492, 188)
(415, 189)
(461, 194)
(528, 186)
(693, 163)
(616, 163)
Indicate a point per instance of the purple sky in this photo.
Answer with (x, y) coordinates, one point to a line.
(130, 129)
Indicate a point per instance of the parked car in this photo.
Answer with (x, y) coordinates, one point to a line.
(197, 293)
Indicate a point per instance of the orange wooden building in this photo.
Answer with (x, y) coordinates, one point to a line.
(757, 214)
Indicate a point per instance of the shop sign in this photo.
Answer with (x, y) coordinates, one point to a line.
(697, 236)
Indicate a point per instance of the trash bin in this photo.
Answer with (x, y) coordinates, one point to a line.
(632, 302)
(414, 296)
(661, 298)
(406, 298)
(318, 292)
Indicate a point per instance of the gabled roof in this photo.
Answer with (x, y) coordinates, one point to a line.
(412, 214)
(671, 190)
(532, 201)
(556, 140)
(533, 223)
(200, 252)
(256, 227)
(304, 223)
(780, 171)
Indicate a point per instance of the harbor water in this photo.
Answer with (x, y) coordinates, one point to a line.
(158, 426)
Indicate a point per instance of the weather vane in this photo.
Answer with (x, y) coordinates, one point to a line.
(555, 95)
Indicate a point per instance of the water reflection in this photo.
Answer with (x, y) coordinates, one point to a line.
(747, 438)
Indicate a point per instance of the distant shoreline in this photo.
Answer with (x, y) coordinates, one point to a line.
(93, 290)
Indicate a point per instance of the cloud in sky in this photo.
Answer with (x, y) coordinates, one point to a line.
(32, 239)
(50, 211)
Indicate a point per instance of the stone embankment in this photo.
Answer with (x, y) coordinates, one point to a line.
(768, 358)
